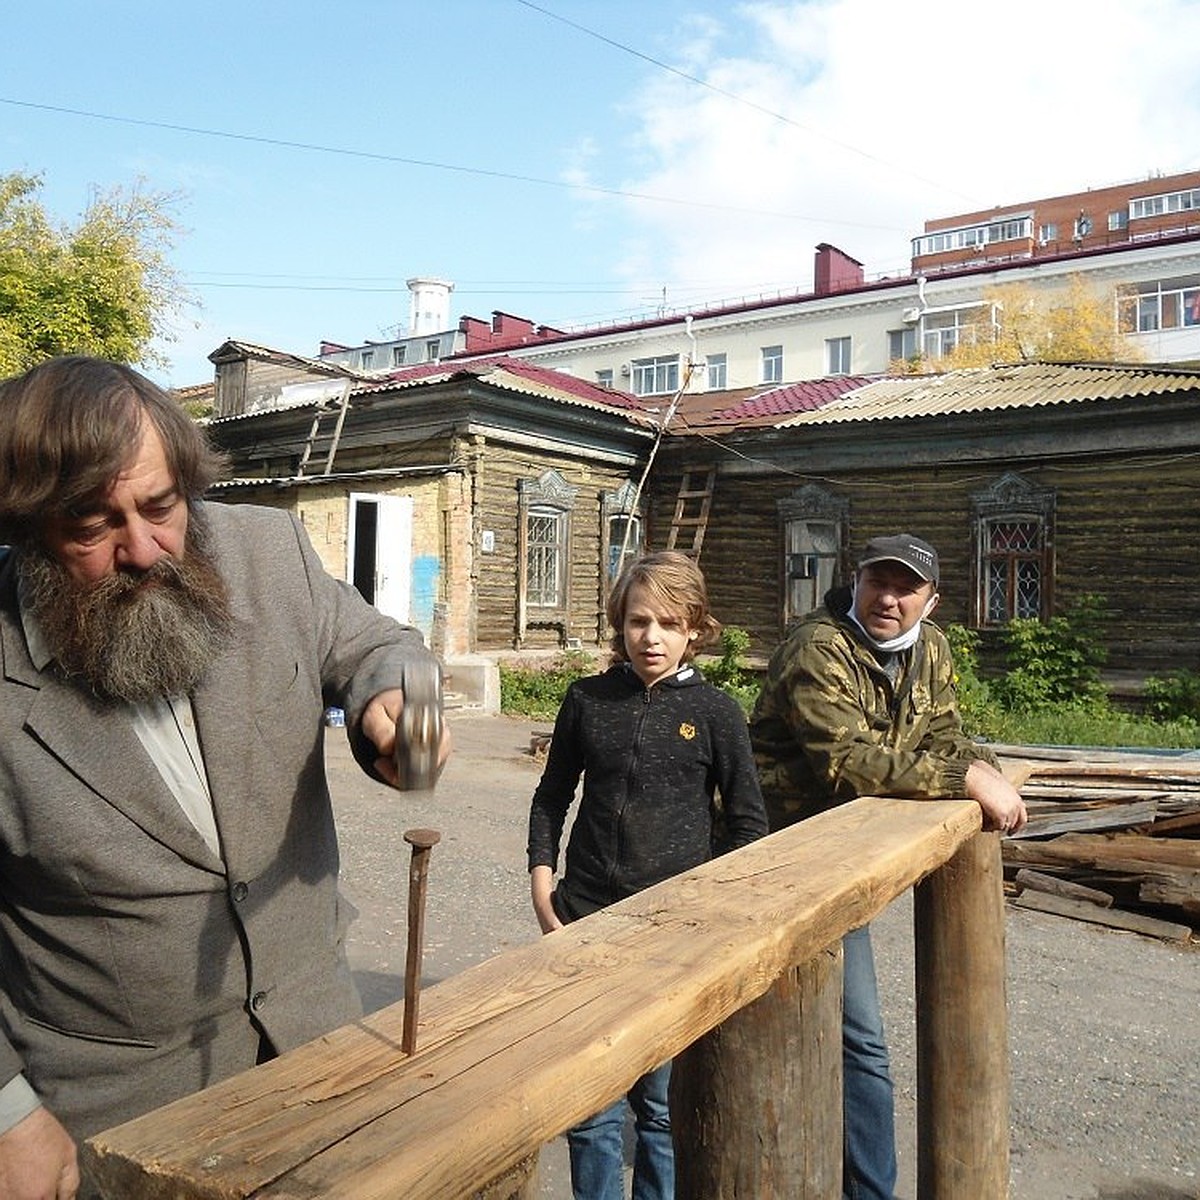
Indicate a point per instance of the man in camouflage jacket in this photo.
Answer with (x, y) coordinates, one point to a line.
(859, 701)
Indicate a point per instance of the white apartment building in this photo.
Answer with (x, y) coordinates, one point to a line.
(847, 326)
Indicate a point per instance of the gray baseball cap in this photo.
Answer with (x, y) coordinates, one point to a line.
(915, 553)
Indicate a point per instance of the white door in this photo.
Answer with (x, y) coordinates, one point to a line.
(379, 553)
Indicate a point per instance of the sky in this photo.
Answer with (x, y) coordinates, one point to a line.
(576, 162)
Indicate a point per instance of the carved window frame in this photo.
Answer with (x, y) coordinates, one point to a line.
(810, 565)
(547, 496)
(1012, 500)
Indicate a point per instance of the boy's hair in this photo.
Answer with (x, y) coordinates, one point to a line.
(676, 582)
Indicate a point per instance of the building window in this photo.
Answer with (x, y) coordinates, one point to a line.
(813, 523)
(1168, 202)
(1160, 304)
(1013, 551)
(433, 350)
(365, 359)
(655, 376)
(622, 526)
(544, 557)
(837, 356)
(973, 237)
(943, 331)
(1048, 233)
(772, 364)
(1118, 220)
(544, 553)
(718, 372)
(621, 533)
(604, 378)
(902, 344)
(399, 355)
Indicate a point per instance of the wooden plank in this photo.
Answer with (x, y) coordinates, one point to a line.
(518, 1049)
(1168, 826)
(1115, 852)
(1060, 819)
(1082, 910)
(1036, 881)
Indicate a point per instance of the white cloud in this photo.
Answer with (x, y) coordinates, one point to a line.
(892, 114)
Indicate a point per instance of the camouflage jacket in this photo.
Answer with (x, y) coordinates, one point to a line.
(829, 724)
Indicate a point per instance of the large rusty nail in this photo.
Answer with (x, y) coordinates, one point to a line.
(422, 842)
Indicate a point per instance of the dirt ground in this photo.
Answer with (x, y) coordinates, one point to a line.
(1104, 1025)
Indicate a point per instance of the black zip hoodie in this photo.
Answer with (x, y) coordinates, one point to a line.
(652, 760)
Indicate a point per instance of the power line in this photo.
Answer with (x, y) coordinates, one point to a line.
(428, 164)
(728, 95)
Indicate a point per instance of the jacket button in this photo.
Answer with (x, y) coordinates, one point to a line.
(240, 892)
(257, 1001)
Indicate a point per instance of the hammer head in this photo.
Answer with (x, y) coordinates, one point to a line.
(419, 730)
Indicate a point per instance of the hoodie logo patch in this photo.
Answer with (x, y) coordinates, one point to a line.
(687, 731)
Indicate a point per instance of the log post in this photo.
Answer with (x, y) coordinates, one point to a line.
(962, 1027)
(756, 1104)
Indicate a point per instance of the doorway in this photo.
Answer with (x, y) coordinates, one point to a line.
(379, 551)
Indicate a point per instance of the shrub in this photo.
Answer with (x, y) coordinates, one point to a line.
(537, 691)
(729, 672)
(980, 714)
(1056, 661)
(1174, 697)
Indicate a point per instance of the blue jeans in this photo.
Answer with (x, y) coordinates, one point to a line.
(869, 1153)
(595, 1145)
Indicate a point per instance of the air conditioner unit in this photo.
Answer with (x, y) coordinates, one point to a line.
(625, 370)
(910, 316)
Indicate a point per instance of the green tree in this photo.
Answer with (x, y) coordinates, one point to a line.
(103, 286)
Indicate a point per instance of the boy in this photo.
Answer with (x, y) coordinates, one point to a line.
(654, 742)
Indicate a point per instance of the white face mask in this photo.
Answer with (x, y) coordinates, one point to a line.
(900, 642)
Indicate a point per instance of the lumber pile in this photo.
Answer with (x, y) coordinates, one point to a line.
(1113, 838)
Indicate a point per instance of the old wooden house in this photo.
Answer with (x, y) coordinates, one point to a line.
(488, 502)
(1038, 483)
(482, 502)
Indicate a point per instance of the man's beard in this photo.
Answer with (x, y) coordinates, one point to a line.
(135, 636)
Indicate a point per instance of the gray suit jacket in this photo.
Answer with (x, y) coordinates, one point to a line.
(136, 966)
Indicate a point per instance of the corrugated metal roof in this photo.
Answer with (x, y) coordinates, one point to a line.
(805, 396)
(984, 389)
(500, 371)
(515, 375)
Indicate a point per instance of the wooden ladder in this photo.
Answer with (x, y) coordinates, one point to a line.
(324, 410)
(692, 507)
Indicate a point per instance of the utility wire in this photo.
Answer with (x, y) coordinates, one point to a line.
(728, 95)
(429, 164)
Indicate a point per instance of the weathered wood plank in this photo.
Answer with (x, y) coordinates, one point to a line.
(1045, 820)
(519, 1048)
(1036, 881)
(1082, 910)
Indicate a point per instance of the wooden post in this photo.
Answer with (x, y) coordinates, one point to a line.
(756, 1105)
(962, 1028)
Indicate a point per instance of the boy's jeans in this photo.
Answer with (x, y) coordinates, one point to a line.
(869, 1159)
(597, 1161)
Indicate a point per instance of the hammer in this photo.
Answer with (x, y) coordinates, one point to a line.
(422, 842)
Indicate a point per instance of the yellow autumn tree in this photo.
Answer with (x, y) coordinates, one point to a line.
(1015, 323)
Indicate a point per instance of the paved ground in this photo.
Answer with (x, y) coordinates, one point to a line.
(1104, 1025)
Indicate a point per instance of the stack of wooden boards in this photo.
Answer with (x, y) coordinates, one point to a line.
(1113, 837)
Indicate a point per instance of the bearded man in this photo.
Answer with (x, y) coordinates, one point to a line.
(169, 912)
